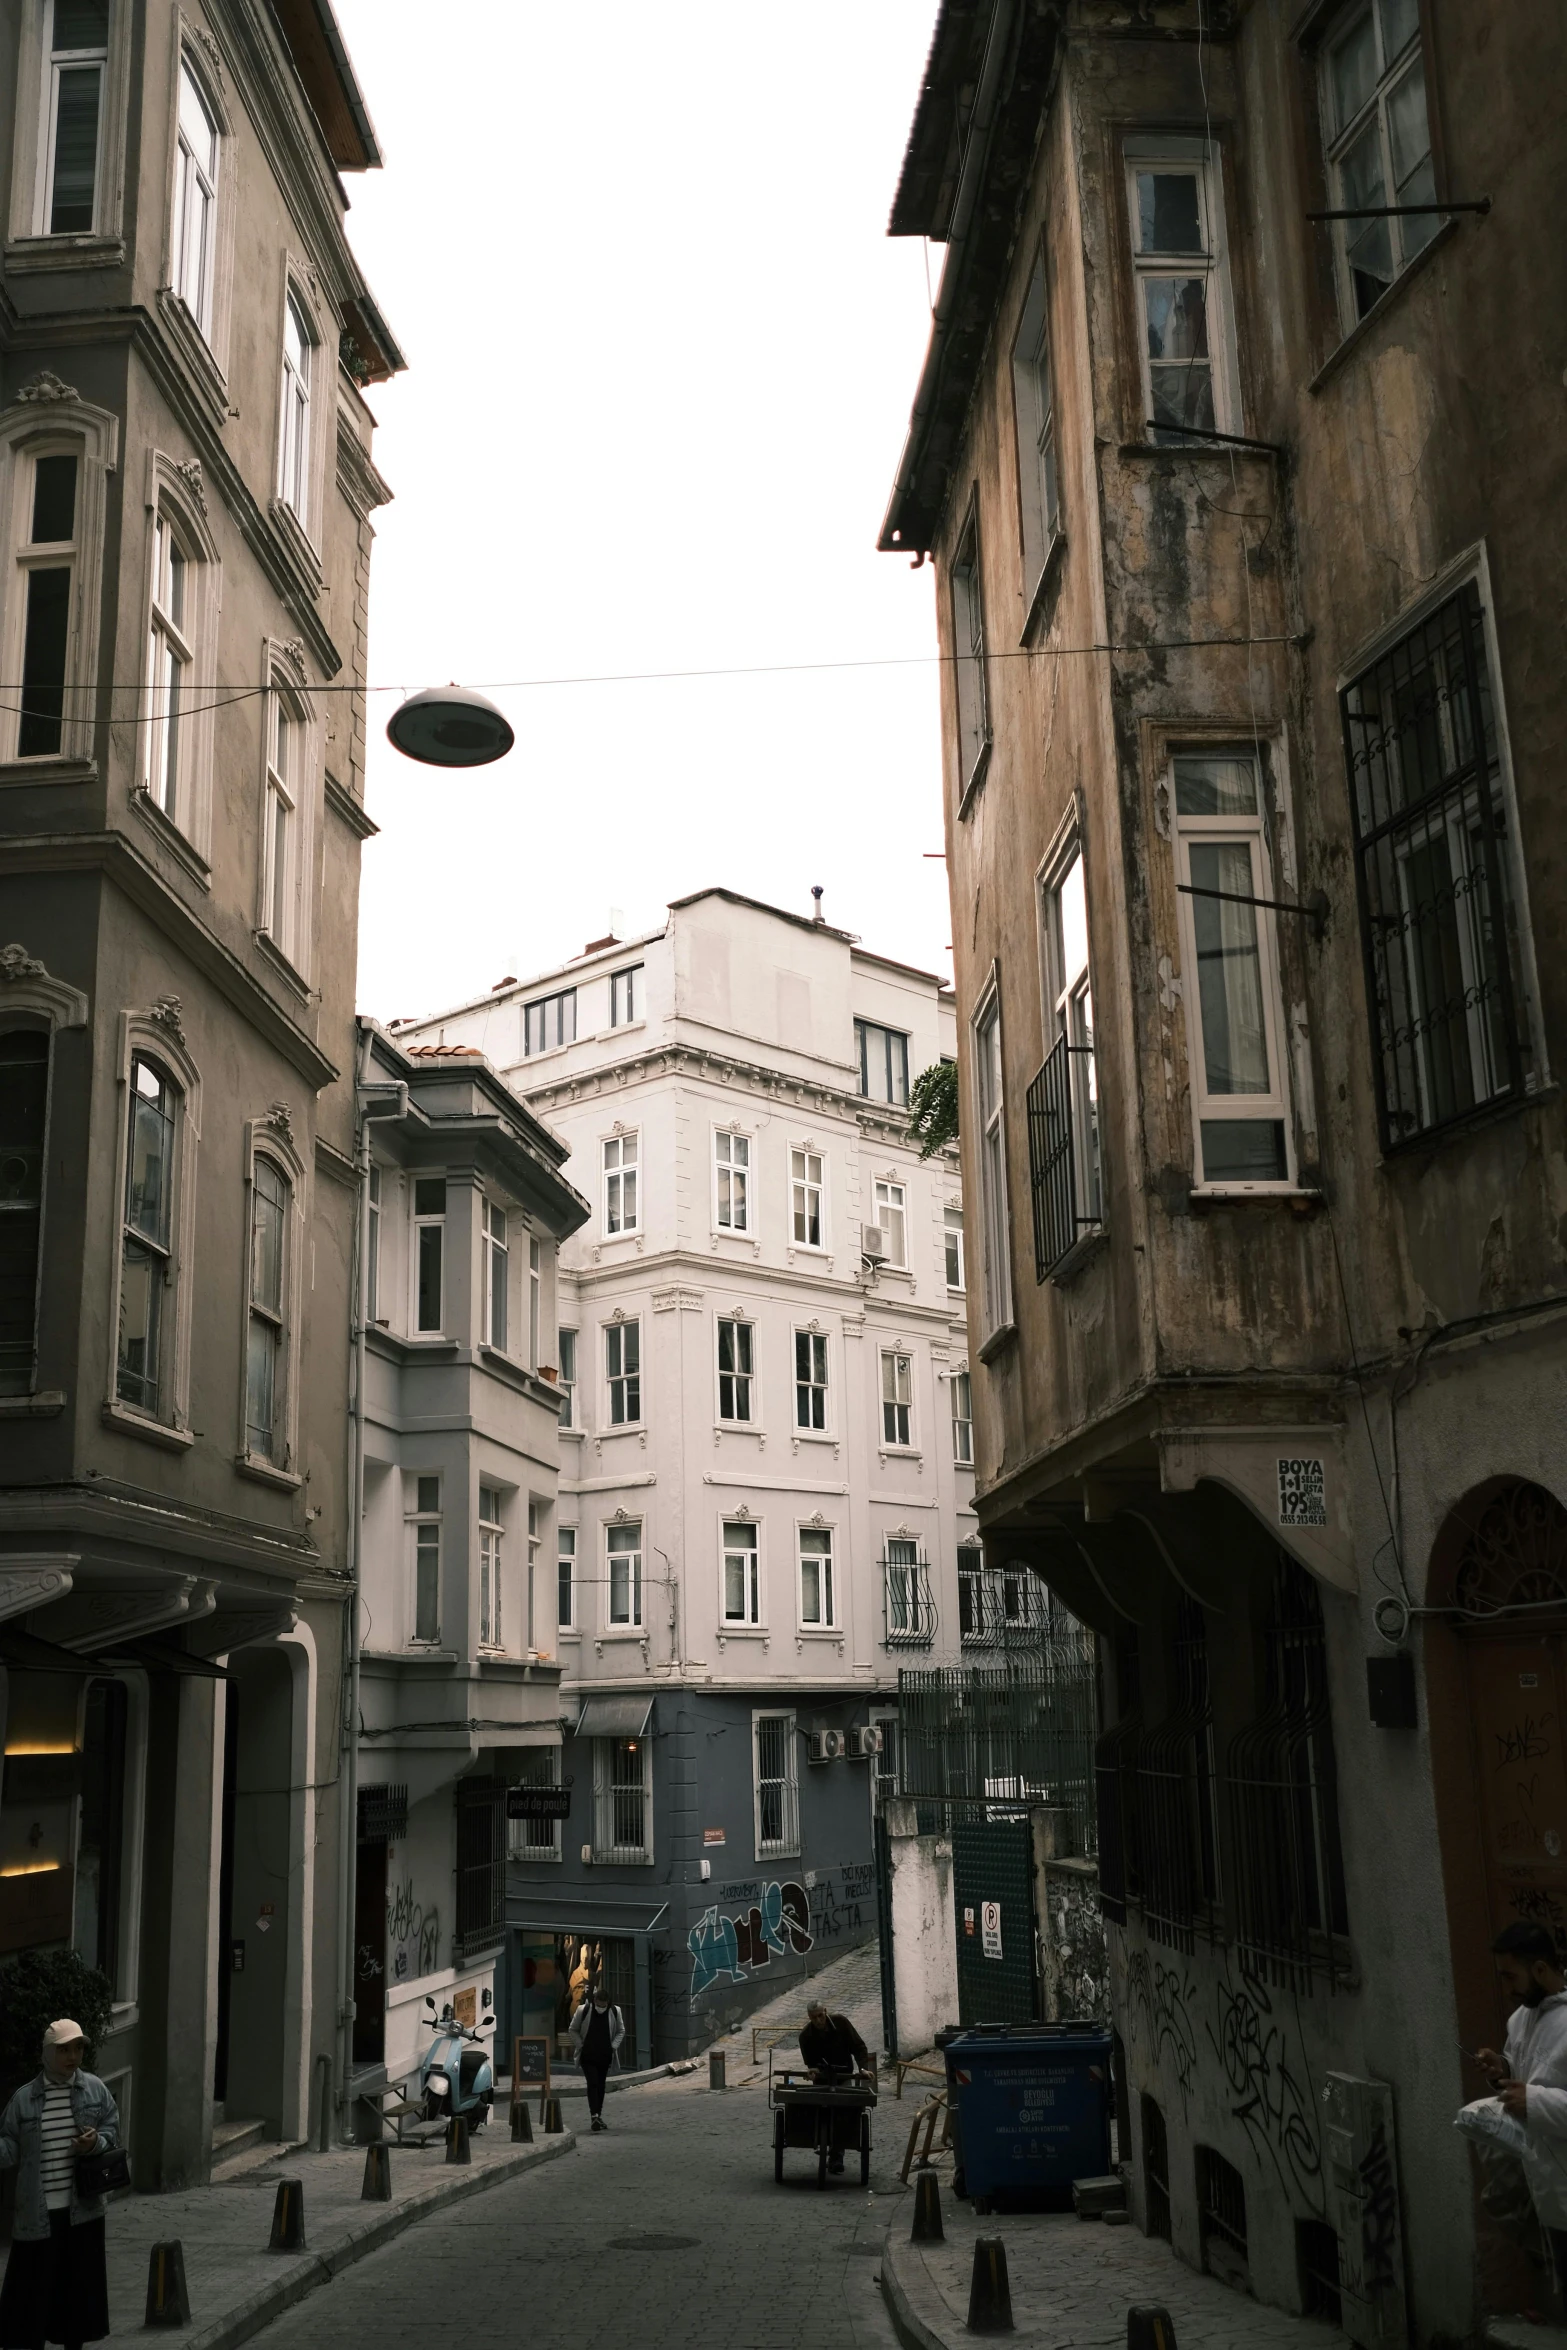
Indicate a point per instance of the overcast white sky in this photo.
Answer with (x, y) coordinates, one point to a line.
(661, 354)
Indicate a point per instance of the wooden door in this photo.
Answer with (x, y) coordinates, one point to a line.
(1519, 1727)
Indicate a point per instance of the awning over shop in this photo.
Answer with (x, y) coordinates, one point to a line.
(614, 1717)
(582, 1913)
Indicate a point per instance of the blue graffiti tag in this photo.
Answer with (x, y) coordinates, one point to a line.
(779, 1921)
(715, 1951)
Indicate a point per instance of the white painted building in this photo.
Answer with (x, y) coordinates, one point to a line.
(766, 1482)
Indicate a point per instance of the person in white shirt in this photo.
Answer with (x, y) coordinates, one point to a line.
(1530, 2073)
(56, 2279)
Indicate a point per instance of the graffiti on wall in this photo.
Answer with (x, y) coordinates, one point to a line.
(1159, 2000)
(413, 1933)
(842, 1900)
(1265, 2090)
(734, 1946)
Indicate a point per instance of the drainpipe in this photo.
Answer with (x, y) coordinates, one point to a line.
(364, 1111)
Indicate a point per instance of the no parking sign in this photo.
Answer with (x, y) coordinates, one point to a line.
(990, 1928)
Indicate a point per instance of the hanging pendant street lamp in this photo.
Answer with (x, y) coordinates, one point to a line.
(447, 726)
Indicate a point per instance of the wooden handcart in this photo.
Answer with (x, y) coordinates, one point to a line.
(819, 2117)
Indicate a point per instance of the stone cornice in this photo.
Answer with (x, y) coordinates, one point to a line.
(348, 810)
(679, 1273)
(357, 478)
(125, 1520)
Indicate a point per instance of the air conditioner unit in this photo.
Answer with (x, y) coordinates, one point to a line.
(827, 1746)
(864, 1743)
(873, 1243)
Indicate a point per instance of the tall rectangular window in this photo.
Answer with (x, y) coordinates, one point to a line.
(168, 668)
(550, 1021)
(78, 58)
(490, 1536)
(535, 1300)
(623, 1799)
(195, 201)
(264, 1362)
(1184, 329)
(566, 1346)
(24, 1100)
(742, 1573)
(1440, 921)
(425, 1521)
(777, 1786)
(883, 1055)
(535, 1544)
(623, 1368)
(897, 1398)
(997, 1267)
(1378, 148)
(625, 996)
(293, 464)
(810, 1379)
(818, 1597)
(952, 1240)
(1033, 407)
(624, 1548)
(622, 1201)
(805, 1197)
(962, 1420)
(891, 1205)
(909, 1615)
(48, 570)
(497, 1265)
(147, 1239)
(373, 1249)
(429, 1251)
(285, 756)
(732, 1181)
(566, 1577)
(735, 1353)
(968, 660)
(1236, 1039)
(1063, 1102)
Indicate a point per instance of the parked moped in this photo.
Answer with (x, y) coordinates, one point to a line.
(457, 2076)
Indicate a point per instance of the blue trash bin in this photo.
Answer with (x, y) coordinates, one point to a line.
(1033, 2108)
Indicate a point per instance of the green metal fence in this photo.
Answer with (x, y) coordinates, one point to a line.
(1013, 1733)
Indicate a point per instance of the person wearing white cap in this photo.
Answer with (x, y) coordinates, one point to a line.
(56, 2280)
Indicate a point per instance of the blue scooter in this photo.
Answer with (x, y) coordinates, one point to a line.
(457, 2076)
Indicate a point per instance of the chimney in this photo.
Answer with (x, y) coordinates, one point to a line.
(816, 892)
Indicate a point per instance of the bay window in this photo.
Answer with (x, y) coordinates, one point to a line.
(497, 1263)
(424, 1522)
(429, 1251)
(24, 1100)
(491, 1535)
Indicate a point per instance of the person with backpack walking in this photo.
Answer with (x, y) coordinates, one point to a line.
(597, 2030)
(56, 2280)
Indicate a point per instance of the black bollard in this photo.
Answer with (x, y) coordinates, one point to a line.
(288, 2217)
(457, 2149)
(927, 2228)
(990, 2296)
(378, 2173)
(168, 2303)
(521, 2125)
(553, 2125)
(716, 2067)
(1148, 2328)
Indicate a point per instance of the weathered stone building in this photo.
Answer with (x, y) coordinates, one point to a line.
(1236, 448)
(186, 485)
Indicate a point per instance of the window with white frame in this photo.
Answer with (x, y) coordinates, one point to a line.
(968, 659)
(952, 1239)
(566, 1348)
(76, 60)
(497, 1262)
(1033, 406)
(535, 1839)
(266, 1351)
(962, 1420)
(549, 1021)
(909, 1611)
(622, 1193)
(736, 1353)
(625, 996)
(491, 1534)
(623, 1370)
(883, 1055)
(148, 1266)
(535, 1544)
(285, 762)
(1185, 320)
(48, 557)
(818, 1590)
(1071, 1087)
(429, 1251)
(299, 355)
(623, 1547)
(1235, 1022)
(776, 1781)
(169, 663)
(742, 1573)
(810, 1379)
(891, 1205)
(535, 1300)
(24, 1104)
(732, 1182)
(195, 201)
(897, 1398)
(1378, 136)
(997, 1265)
(805, 1197)
(424, 1521)
(622, 1799)
(566, 1577)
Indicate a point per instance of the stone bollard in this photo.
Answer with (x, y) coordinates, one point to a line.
(717, 2066)
(457, 2148)
(288, 2217)
(927, 2228)
(553, 2125)
(168, 2303)
(990, 2296)
(521, 2124)
(378, 2173)
(1149, 2328)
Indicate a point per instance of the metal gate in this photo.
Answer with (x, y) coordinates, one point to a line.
(889, 1982)
(993, 1895)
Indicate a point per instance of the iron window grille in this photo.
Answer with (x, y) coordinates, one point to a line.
(1015, 1731)
(906, 1591)
(622, 1800)
(1177, 1797)
(531, 1838)
(777, 1788)
(1115, 1788)
(1221, 2215)
(1002, 1607)
(383, 1814)
(1438, 925)
(481, 1868)
(1156, 2169)
(1060, 1103)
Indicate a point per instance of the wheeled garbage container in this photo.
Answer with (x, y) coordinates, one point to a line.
(1033, 2108)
